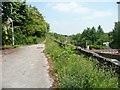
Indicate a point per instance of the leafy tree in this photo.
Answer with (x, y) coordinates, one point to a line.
(75, 39)
(103, 38)
(29, 24)
(92, 35)
(88, 36)
(60, 37)
(99, 31)
(116, 36)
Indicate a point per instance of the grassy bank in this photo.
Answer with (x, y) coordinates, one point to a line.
(75, 71)
(36, 41)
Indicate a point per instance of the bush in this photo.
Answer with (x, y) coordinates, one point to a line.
(75, 71)
(97, 47)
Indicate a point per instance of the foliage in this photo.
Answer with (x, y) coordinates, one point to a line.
(75, 71)
(60, 37)
(99, 31)
(75, 39)
(90, 36)
(115, 35)
(97, 47)
(29, 24)
(103, 38)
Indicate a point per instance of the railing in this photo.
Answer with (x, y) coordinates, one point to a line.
(112, 51)
(95, 55)
(102, 61)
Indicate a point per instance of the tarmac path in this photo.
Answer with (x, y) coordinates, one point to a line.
(26, 67)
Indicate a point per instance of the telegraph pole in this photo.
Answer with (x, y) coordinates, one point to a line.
(11, 21)
(13, 34)
(118, 71)
(118, 10)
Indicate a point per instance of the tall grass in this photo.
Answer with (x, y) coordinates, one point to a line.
(75, 71)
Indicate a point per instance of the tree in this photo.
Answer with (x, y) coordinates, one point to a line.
(88, 36)
(116, 36)
(29, 24)
(92, 35)
(75, 39)
(103, 38)
(99, 31)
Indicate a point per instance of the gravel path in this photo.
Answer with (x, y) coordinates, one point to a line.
(26, 67)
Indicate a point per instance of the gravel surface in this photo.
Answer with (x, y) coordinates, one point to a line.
(26, 67)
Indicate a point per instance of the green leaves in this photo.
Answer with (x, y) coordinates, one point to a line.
(116, 36)
(29, 24)
(75, 71)
(90, 36)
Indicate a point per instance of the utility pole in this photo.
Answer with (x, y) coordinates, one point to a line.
(13, 33)
(118, 10)
(1, 25)
(11, 21)
(118, 71)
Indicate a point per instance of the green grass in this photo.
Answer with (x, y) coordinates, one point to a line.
(37, 41)
(75, 71)
(11, 46)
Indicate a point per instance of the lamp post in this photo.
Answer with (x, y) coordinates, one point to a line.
(11, 21)
(118, 70)
(118, 10)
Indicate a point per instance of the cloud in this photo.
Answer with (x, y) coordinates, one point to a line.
(97, 14)
(70, 7)
(83, 16)
(102, 13)
(74, 7)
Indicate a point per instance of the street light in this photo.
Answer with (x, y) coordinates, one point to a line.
(118, 10)
(11, 21)
(118, 51)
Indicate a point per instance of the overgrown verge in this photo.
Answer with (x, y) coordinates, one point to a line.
(75, 71)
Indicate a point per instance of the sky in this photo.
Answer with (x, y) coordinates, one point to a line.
(73, 17)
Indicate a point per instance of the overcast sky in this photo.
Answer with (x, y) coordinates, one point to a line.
(73, 17)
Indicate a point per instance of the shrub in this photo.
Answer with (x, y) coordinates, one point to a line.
(75, 71)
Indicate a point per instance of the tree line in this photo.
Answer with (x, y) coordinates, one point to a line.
(29, 24)
(96, 37)
(30, 28)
